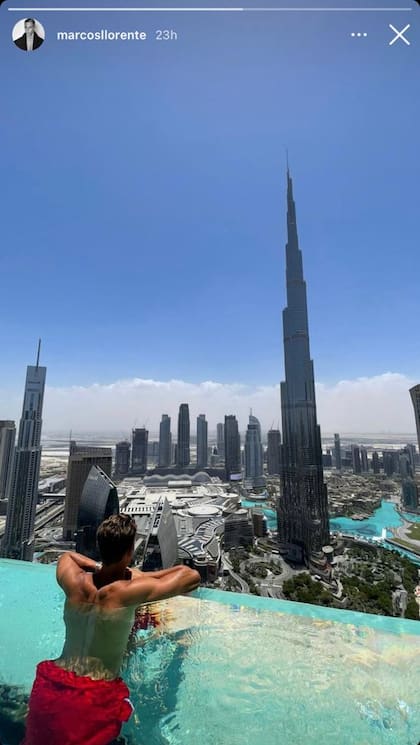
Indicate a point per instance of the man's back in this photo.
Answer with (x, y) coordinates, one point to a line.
(96, 639)
(99, 618)
(80, 697)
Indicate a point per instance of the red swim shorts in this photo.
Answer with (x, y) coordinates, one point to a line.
(70, 709)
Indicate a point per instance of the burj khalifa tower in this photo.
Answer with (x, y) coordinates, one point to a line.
(303, 524)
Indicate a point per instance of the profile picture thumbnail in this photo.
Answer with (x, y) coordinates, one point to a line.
(28, 34)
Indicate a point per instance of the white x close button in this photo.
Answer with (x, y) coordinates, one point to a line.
(399, 35)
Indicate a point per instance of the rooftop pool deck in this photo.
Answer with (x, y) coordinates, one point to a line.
(222, 668)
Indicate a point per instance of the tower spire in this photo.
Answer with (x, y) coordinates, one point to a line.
(39, 352)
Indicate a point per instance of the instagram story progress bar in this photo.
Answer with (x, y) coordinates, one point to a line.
(235, 9)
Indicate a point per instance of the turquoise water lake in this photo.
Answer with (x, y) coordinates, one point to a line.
(386, 516)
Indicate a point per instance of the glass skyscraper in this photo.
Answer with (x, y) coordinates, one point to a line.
(165, 442)
(232, 448)
(7, 446)
(202, 441)
(23, 487)
(303, 505)
(139, 450)
(254, 453)
(415, 398)
(337, 451)
(183, 444)
(274, 452)
(81, 460)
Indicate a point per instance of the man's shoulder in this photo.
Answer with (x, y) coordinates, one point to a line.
(21, 42)
(128, 592)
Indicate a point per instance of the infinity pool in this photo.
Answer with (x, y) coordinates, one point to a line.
(217, 668)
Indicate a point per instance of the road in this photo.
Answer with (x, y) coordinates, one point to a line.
(46, 516)
(227, 565)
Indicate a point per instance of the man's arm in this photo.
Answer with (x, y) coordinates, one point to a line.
(160, 573)
(148, 589)
(69, 568)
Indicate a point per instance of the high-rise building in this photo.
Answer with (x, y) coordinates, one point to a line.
(202, 441)
(7, 446)
(415, 398)
(165, 442)
(99, 501)
(161, 542)
(327, 459)
(238, 530)
(404, 466)
(337, 452)
(232, 448)
(274, 452)
(390, 460)
(23, 488)
(220, 439)
(410, 449)
(153, 450)
(355, 457)
(254, 453)
(139, 450)
(364, 460)
(375, 462)
(259, 522)
(81, 460)
(122, 459)
(183, 444)
(303, 503)
(410, 494)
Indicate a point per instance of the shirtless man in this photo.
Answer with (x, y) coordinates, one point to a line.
(79, 697)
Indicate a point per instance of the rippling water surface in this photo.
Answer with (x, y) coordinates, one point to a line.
(210, 673)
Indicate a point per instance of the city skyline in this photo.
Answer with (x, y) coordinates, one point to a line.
(378, 405)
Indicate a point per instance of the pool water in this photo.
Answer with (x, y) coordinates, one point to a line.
(216, 667)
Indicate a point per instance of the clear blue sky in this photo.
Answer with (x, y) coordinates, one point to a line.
(143, 200)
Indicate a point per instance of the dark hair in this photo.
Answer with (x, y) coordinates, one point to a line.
(115, 537)
(30, 20)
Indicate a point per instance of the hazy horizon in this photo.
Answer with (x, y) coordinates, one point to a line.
(372, 405)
